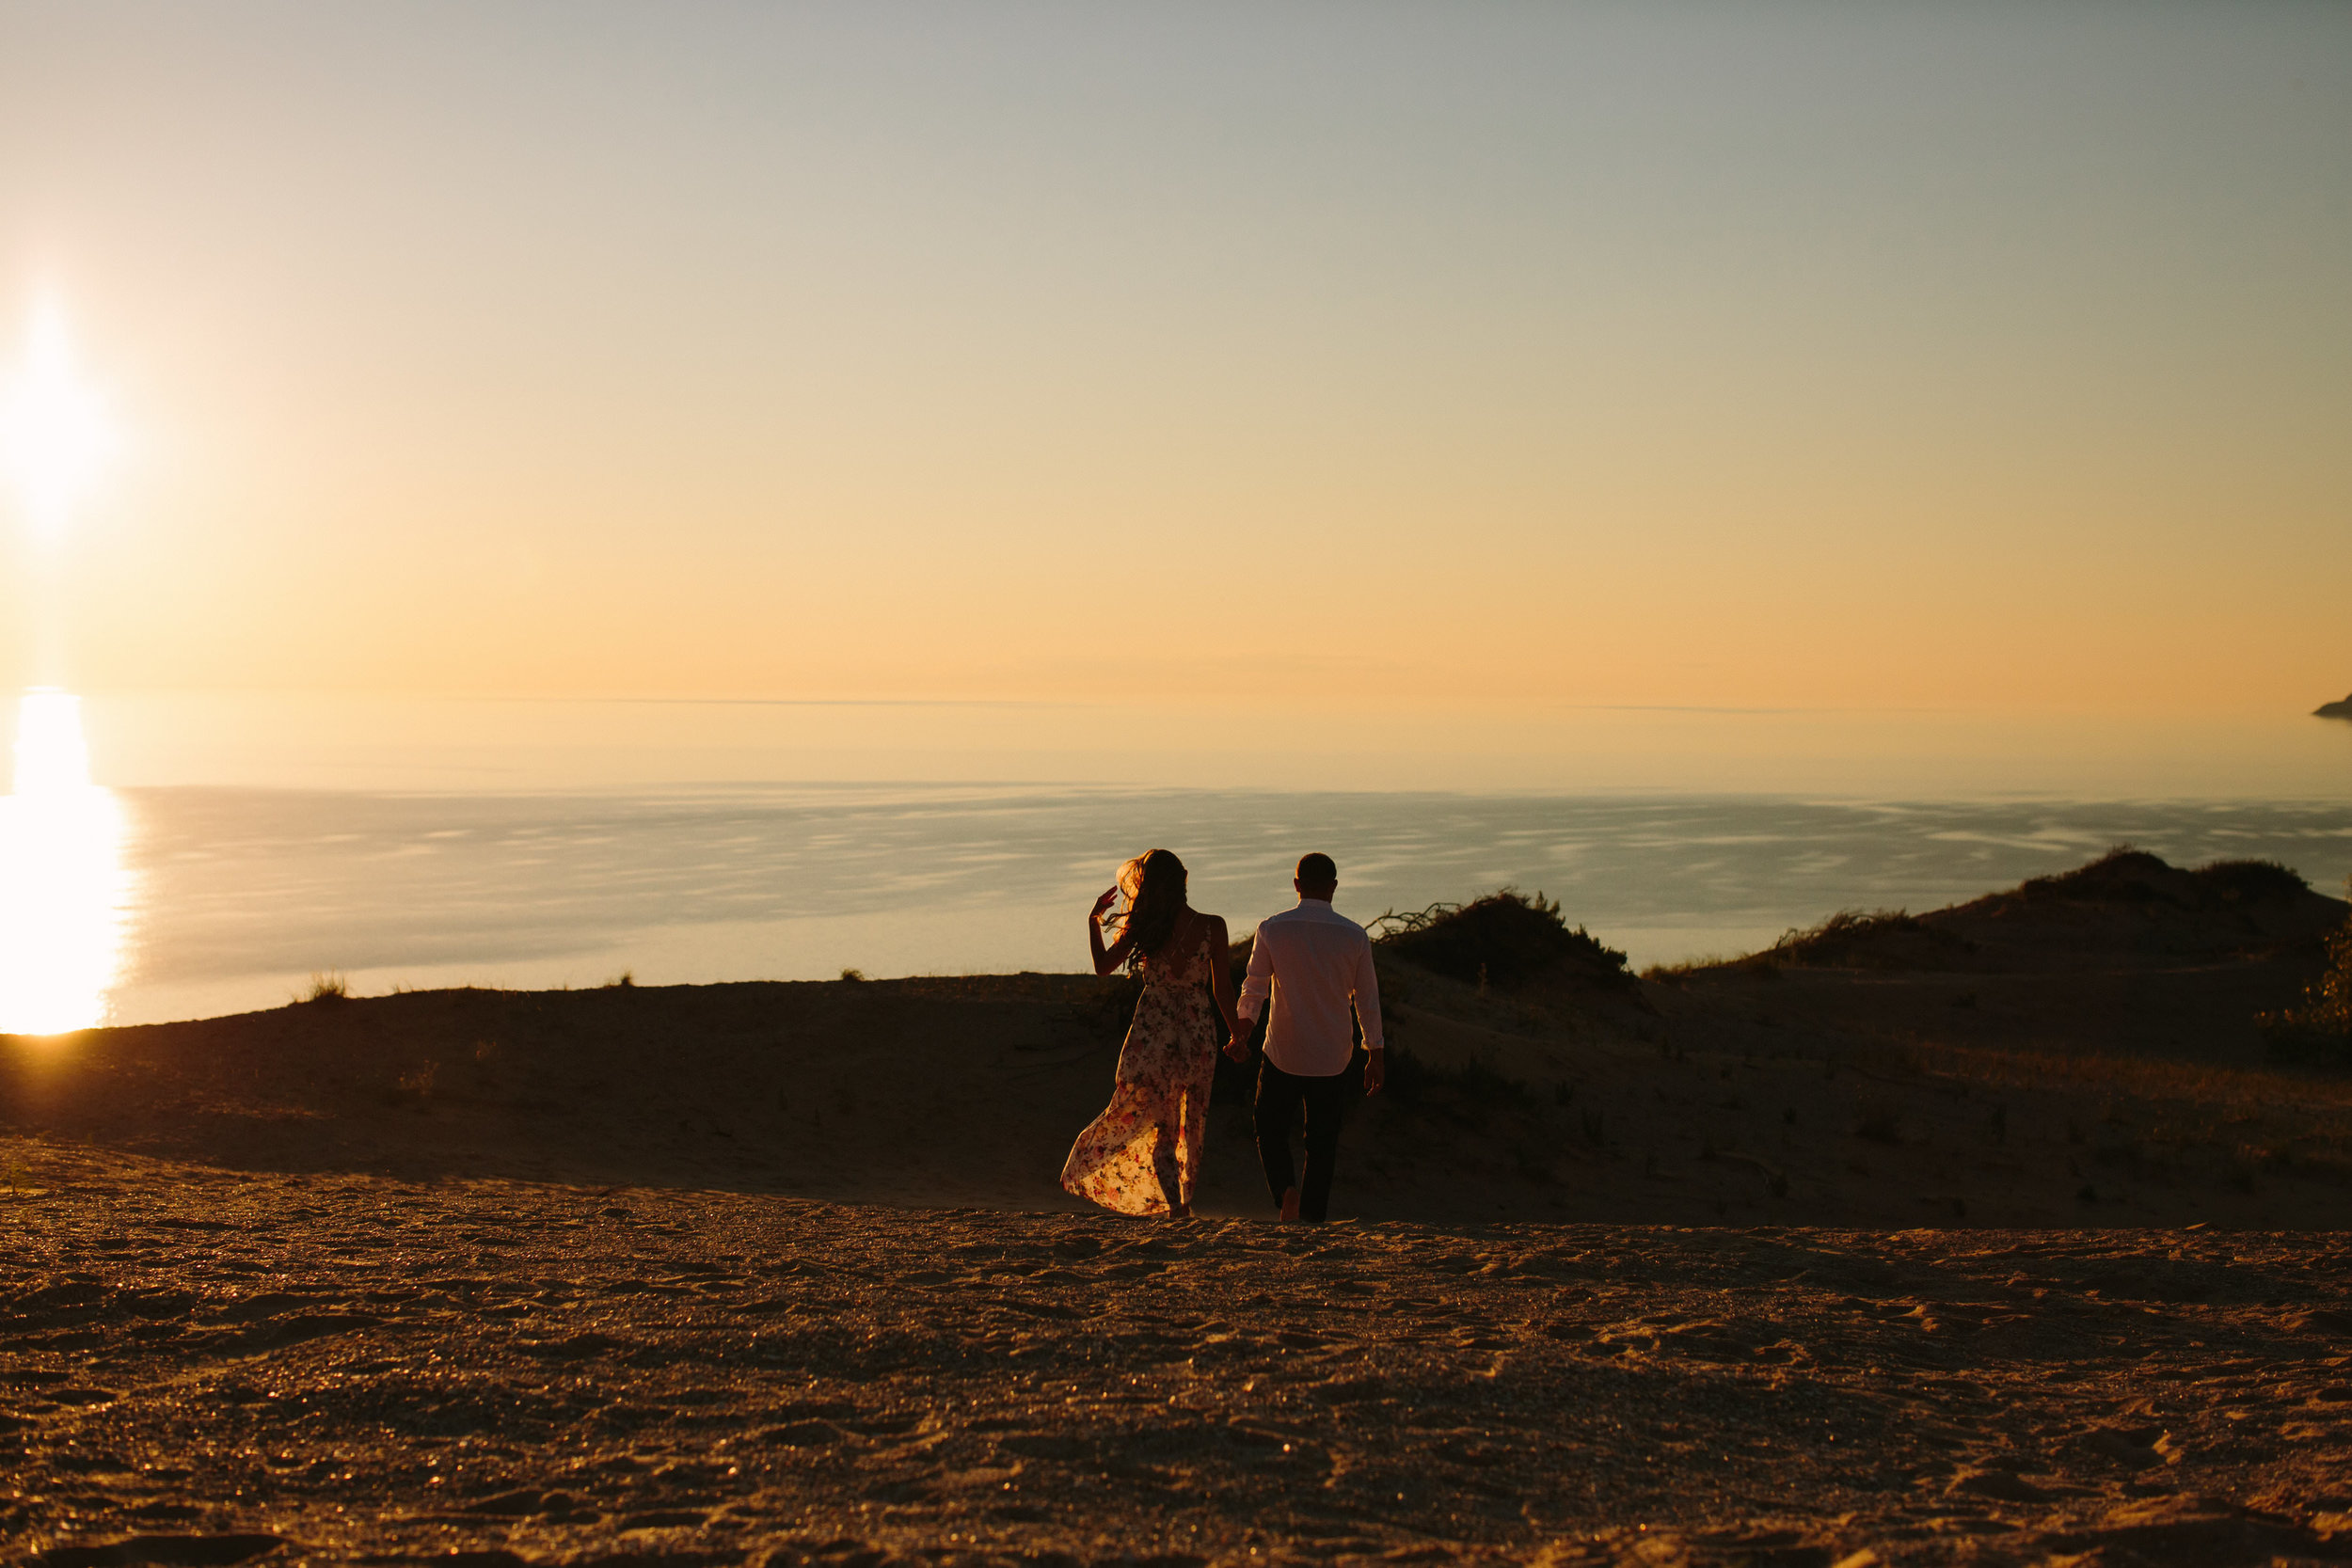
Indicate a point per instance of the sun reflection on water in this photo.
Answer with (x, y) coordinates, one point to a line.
(63, 888)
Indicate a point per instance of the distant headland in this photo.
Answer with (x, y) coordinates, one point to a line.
(2334, 710)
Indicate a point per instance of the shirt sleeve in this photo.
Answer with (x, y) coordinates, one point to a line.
(1367, 995)
(1258, 984)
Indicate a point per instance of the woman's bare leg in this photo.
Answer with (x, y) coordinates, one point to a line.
(1172, 1176)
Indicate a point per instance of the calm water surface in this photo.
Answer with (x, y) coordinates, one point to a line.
(150, 900)
(241, 894)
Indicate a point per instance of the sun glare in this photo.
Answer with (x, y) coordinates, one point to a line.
(52, 758)
(62, 885)
(52, 428)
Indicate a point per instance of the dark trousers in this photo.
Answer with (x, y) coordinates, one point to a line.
(1280, 1095)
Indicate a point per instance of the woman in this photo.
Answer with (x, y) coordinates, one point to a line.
(1142, 1155)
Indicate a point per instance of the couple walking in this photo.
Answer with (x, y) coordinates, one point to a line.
(1309, 964)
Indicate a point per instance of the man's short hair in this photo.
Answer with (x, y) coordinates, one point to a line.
(1317, 871)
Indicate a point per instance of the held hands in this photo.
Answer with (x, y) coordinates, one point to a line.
(1375, 1071)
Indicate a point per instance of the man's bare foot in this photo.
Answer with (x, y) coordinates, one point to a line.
(1290, 1206)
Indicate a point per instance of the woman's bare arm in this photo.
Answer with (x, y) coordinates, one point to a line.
(1221, 974)
(1106, 958)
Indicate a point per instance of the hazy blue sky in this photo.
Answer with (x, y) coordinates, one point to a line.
(1763, 353)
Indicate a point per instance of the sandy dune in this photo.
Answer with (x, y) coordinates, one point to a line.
(1631, 1271)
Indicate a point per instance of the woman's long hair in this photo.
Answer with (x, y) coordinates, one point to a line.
(1158, 890)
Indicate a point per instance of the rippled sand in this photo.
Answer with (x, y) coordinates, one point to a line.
(207, 1367)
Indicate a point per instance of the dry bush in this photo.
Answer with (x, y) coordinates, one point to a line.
(415, 1087)
(2249, 881)
(1504, 939)
(2320, 1029)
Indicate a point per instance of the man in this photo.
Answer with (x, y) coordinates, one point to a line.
(1309, 963)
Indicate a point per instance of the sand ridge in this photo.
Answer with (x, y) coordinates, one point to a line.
(1629, 1271)
(1803, 1098)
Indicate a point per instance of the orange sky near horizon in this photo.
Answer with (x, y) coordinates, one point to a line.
(1427, 357)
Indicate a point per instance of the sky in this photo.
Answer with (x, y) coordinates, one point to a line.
(1394, 358)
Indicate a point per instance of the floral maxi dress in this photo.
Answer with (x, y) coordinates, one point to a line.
(1148, 1141)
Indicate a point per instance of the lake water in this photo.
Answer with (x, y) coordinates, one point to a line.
(212, 872)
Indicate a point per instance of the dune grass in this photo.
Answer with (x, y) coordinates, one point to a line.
(1862, 938)
(2150, 1078)
(2140, 1112)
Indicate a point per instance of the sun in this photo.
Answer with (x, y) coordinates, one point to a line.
(52, 430)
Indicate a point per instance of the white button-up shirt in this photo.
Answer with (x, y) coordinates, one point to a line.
(1312, 962)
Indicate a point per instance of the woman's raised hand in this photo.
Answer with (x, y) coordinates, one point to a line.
(1104, 903)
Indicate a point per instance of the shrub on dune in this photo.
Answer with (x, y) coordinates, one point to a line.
(2128, 874)
(2249, 881)
(1504, 939)
(2320, 1029)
